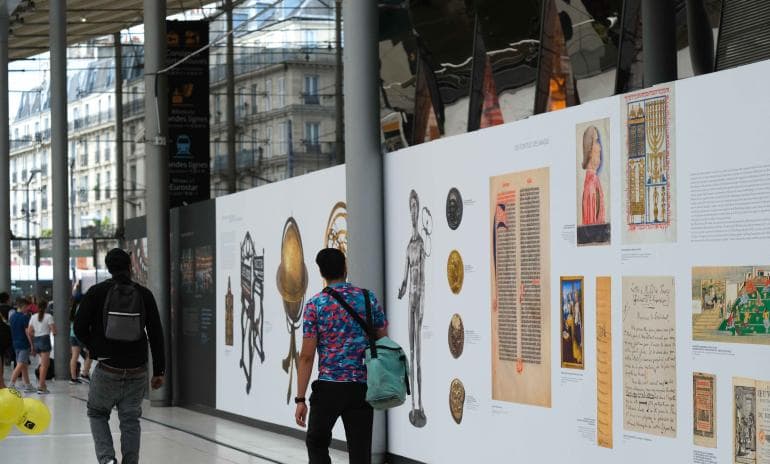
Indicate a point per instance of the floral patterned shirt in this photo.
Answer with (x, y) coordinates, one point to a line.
(341, 340)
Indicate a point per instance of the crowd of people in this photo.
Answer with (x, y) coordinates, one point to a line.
(26, 330)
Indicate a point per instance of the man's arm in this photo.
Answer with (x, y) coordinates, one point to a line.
(83, 316)
(155, 335)
(304, 370)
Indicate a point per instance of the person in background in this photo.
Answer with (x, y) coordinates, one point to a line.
(32, 303)
(340, 390)
(77, 347)
(120, 377)
(22, 344)
(6, 344)
(41, 327)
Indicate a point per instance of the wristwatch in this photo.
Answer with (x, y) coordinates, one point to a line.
(299, 399)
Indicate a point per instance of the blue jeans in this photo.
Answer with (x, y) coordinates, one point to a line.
(124, 391)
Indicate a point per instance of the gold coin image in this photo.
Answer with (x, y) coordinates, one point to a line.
(457, 400)
(456, 336)
(455, 272)
(292, 279)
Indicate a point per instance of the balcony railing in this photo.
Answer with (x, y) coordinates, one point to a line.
(269, 56)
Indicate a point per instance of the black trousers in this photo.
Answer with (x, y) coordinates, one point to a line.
(329, 401)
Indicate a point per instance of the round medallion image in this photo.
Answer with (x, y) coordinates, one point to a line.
(457, 400)
(454, 208)
(456, 336)
(455, 271)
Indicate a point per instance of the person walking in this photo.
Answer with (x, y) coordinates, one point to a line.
(76, 347)
(22, 345)
(41, 327)
(115, 320)
(340, 390)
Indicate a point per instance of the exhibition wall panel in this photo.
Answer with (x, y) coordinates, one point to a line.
(266, 242)
(591, 283)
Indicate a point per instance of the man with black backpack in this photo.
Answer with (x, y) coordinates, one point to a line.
(115, 320)
(340, 391)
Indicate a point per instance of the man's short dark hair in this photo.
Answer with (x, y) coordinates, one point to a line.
(5, 297)
(331, 262)
(117, 261)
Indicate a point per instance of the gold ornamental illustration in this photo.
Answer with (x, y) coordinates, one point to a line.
(292, 280)
(455, 272)
(456, 400)
(336, 234)
(456, 336)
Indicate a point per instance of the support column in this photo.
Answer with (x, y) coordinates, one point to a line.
(5, 150)
(156, 178)
(659, 41)
(364, 173)
(339, 110)
(232, 182)
(57, 18)
(701, 37)
(120, 230)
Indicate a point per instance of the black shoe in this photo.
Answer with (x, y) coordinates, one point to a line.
(75, 381)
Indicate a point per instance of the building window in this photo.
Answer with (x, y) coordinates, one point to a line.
(98, 187)
(268, 95)
(44, 198)
(132, 177)
(253, 98)
(281, 92)
(108, 185)
(310, 38)
(84, 153)
(109, 106)
(216, 148)
(312, 137)
(283, 138)
(98, 147)
(242, 105)
(269, 142)
(83, 191)
(132, 139)
(107, 146)
(87, 116)
(311, 90)
(255, 142)
(13, 171)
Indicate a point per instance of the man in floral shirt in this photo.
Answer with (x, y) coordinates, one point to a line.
(341, 386)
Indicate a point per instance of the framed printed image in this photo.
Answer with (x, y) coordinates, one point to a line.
(571, 317)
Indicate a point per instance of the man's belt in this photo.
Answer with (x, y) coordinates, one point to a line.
(122, 371)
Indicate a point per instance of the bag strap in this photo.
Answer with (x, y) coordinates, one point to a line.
(368, 330)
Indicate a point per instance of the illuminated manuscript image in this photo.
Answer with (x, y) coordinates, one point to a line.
(572, 322)
(520, 267)
(648, 182)
(649, 355)
(751, 421)
(604, 361)
(731, 304)
(704, 425)
(593, 182)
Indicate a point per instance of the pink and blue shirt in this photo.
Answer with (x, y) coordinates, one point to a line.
(341, 340)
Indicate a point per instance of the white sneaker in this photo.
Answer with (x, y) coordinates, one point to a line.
(29, 388)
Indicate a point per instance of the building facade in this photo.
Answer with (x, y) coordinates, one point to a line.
(284, 125)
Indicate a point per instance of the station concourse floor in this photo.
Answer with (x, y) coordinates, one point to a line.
(169, 436)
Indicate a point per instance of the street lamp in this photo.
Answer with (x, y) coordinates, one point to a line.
(32, 175)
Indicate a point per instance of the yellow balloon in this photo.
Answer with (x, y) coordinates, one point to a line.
(36, 417)
(11, 406)
(5, 429)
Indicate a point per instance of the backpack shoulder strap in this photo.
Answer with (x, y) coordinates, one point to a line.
(368, 330)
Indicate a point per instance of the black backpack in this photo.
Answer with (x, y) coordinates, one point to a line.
(124, 313)
(5, 336)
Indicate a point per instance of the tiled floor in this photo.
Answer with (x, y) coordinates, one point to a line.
(192, 438)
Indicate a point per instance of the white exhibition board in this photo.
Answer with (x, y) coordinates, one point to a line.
(263, 212)
(709, 210)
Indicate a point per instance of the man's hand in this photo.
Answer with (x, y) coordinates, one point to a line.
(156, 382)
(301, 414)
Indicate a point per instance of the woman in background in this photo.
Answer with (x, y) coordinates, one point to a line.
(41, 327)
